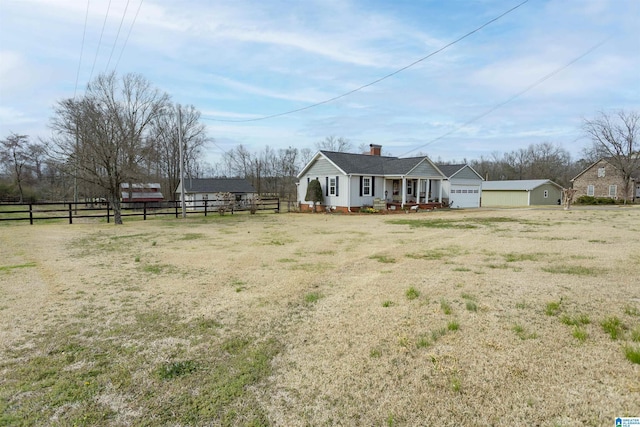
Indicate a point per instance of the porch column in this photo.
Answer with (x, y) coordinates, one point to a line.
(384, 189)
(418, 188)
(440, 193)
(348, 193)
(404, 191)
(426, 193)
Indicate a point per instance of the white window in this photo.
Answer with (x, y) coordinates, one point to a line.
(590, 190)
(366, 186)
(409, 187)
(332, 186)
(546, 194)
(600, 172)
(612, 190)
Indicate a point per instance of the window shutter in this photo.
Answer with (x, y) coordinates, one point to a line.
(361, 186)
(337, 186)
(326, 186)
(373, 186)
(308, 180)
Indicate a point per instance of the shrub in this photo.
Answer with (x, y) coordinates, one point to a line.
(368, 209)
(314, 193)
(590, 200)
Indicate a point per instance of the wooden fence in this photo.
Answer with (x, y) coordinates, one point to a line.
(70, 211)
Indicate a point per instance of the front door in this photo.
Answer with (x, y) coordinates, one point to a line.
(397, 185)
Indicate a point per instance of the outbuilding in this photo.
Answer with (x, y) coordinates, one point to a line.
(216, 192)
(527, 192)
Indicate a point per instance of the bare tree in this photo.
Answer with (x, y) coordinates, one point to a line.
(549, 161)
(103, 136)
(615, 137)
(332, 143)
(164, 132)
(237, 162)
(305, 157)
(537, 161)
(14, 155)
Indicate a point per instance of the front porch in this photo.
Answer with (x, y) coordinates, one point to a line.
(428, 206)
(403, 192)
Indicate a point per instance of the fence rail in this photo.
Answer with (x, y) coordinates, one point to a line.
(70, 210)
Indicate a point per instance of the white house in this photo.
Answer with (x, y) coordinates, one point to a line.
(463, 186)
(350, 181)
(216, 191)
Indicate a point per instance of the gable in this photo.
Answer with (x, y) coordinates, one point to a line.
(425, 168)
(321, 167)
(466, 172)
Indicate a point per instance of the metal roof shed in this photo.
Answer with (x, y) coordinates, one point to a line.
(528, 192)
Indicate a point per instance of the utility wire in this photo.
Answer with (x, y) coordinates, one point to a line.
(128, 34)
(375, 81)
(517, 95)
(100, 40)
(117, 35)
(84, 32)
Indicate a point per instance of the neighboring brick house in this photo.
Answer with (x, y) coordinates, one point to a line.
(602, 179)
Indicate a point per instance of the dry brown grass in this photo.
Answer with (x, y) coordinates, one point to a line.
(331, 292)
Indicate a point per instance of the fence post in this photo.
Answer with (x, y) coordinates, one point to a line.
(205, 207)
(175, 204)
(278, 204)
(70, 214)
(144, 210)
(108, 212)
(31, 213)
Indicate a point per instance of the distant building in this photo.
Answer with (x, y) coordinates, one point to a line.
(216, 191)
(135, 195)
(603, 179)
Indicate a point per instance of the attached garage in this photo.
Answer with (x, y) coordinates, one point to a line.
(531, 192)
(465, 196)
(463, 186)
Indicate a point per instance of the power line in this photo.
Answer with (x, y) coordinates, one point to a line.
(100, 40)
(84, 32)
(517, 95)
(375, 81)
(128, 34)
(117, 35)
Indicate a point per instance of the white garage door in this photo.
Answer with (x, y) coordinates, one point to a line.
(465, 196)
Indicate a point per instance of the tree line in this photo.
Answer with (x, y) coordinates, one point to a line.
(123, 131)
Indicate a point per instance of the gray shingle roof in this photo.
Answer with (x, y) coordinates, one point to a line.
(449, 170)
(360, 164)
(521, 184)
(218, 185)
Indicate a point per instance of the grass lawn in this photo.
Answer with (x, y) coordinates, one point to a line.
(472, 317)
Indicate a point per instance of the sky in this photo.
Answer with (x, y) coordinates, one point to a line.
(533, 75)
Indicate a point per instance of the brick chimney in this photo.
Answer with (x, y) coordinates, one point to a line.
(375, 150)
